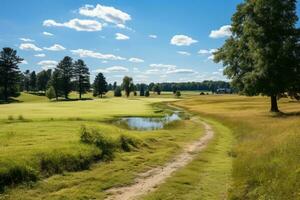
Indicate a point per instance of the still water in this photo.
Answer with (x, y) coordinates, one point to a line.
(147, 123)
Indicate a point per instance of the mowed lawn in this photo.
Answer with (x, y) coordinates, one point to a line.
(267, 151)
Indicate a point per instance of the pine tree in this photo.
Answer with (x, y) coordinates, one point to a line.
(32, 81)
(100, 85)
(9, 73)
(66, 71)
(127, 85)
(82, 77)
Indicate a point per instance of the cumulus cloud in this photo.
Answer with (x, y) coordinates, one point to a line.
(48, 64)
(182, 40)
(106, 13)
(136, 60)
(47, 33)
(224, 31)
(87, 53)
(153, 36)
(207, 51)
(113, 69)
(55, 47)
(29, 46)
(120, 36)
(184, 53)
(26, 39)
(40, 55)
(168, 69)
(77, 24)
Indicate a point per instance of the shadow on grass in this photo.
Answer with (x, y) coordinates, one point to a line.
(10, 101)
(285, 114)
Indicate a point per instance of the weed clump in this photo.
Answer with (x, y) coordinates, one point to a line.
(128, 143)
(10, 117)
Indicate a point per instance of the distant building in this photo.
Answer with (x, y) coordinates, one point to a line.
(224, 91)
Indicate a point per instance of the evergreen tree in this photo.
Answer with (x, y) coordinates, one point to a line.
(82, 77)
(50, 93)
(55, 83)
(156, 88)
(142, 90)
(118, 92)
(43, 78)
(147, 93)
(26, 80)
(260, 56)
(32, 81)
(127, 85)
(66, 71)
(9, 73)
(115, 85)
(100, 85)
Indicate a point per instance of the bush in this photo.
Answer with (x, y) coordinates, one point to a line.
(21, 118)
(134, 93)
(118, 92)
(50, 93)
(10, 118)
(16, 174)
(147, 93)
(86, 136)
(202, 93)
(177, 94)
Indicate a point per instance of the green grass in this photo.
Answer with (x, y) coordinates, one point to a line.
(267, 148)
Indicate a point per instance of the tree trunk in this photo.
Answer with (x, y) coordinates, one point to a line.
(274, 106)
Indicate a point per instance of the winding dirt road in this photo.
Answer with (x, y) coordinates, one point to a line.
(148, 181)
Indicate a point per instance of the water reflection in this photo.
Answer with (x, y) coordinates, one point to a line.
(147, 123)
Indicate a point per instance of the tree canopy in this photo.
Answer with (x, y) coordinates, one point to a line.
(260, 56)
(100, 85)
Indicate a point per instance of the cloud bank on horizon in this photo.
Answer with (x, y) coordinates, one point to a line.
(123, 40)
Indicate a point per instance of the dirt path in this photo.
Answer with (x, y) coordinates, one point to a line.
(149, 180)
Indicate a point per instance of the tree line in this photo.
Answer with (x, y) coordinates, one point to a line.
(70, 75)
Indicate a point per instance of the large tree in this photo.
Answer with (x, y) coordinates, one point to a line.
(82, 77)
(66, 71)
(9, 73)
(100, 85)
(26, 80)
(259, 57)
(55, 83)
(127, 85)
(43, 78)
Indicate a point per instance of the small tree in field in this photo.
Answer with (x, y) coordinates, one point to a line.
(142, 90)
(178, 94)
(66, 71)
(127, 85)
(118, 92)
(50, 93)
(100, 85)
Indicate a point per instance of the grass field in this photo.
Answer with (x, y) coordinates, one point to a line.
(254, 155)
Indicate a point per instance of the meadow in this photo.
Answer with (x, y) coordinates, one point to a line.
(254, 154)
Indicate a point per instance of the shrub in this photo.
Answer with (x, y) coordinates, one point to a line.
(177, 94)
(10, 117)
(134, 93)
(50, 93)
(118, 92)
(147, 93)
(16, 174)
(128, 143)
(86, 136)
(21, 118)
(202, 93)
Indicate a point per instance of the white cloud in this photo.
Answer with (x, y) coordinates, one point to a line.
(48, 64)
(87, 53)
(24, 62)
(77, 24)
(26, 39)
(40, 55)
(136, 60)
(203, 51)
(106, 13)
(184, 53)
(163, 66)
(120, 36)
(55, 47)
(224, 31)
(181, 71)
(29, 46)
(211, 57)
(153, 36)
(47, 33)
(182, 40)
(112, 69)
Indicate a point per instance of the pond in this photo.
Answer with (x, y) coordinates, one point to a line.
(147, 123)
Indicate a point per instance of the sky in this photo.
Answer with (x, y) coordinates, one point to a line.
(151, 41)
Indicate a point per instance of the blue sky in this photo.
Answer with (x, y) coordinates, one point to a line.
(152, 41)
